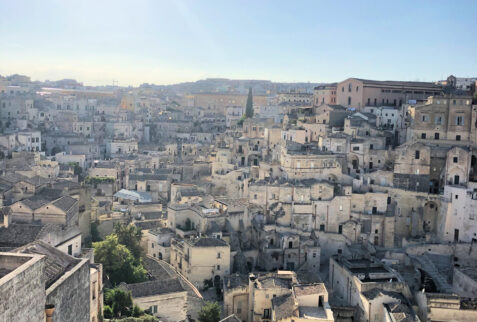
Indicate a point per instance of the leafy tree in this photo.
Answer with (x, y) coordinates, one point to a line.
(249, 107)
(119, 306)
(137, 312)
(118, 263)
(108, 312)
(130, 236)
(95, 236)
(120, 301)
(210, 312)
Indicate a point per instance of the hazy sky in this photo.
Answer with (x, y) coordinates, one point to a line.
(171, 41)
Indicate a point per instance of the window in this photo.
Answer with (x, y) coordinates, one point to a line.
(423, 135)
(349, 87)
(417, 155)
(218, 267)
(371, 146)
(266, 313)
(314, 255)
(322, 227)
(152, 245)
(438, 120)
(425, 118)
(70, 249)
(349, 100)
(457, 137)
(356, 148)
(456, 197)
(459, 120)
(456, 179)
(94, 291)
(456, 159)
(218, 255)
(340, 229)
(436, 136)
(153, 309)
(290, 244)
(255, 196)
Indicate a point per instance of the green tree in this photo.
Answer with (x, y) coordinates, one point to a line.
(210, 312)
(95, 236)
(249, 107)
(108, 312)
(120, 301)
(137, 312)
(130, 236)
(119, 264)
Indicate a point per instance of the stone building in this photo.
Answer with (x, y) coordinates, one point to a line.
(412, 167)
(22, 287)
(358, 93)
(324, 94)
(359, 281)
(66, 281)
(201, 259)
(279, 296)
(447, 118)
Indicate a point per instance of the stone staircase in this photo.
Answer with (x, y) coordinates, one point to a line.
(427, 265)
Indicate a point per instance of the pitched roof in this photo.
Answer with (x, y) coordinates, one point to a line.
(303, 290)
(400, 312)
(231, 318)
(57, 262)
(399, 83)
(18, 235)
(154, 287)
(65, 203)
(207, 242)
(161, 177)
(283, 306)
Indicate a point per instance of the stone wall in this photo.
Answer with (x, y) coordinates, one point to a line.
(22, 292)
(71, 294)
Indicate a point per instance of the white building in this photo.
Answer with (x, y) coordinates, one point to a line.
(121, 147)
(458, 214)
(29, 141)
(233, 114)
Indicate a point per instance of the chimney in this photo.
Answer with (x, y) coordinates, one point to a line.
(49, 309)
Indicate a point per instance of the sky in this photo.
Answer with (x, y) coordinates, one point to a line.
(164, 42)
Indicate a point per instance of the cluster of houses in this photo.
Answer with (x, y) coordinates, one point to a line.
(350, 201)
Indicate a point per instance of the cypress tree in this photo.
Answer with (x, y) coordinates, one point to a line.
(249, 108)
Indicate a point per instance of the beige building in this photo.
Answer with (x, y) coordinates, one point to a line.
(357, 93)
(445, 307)
(352, 280)
(444, 118)
(201, 259)
(299, 163)
(276, 296)
(324, 94)
(412, 167)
